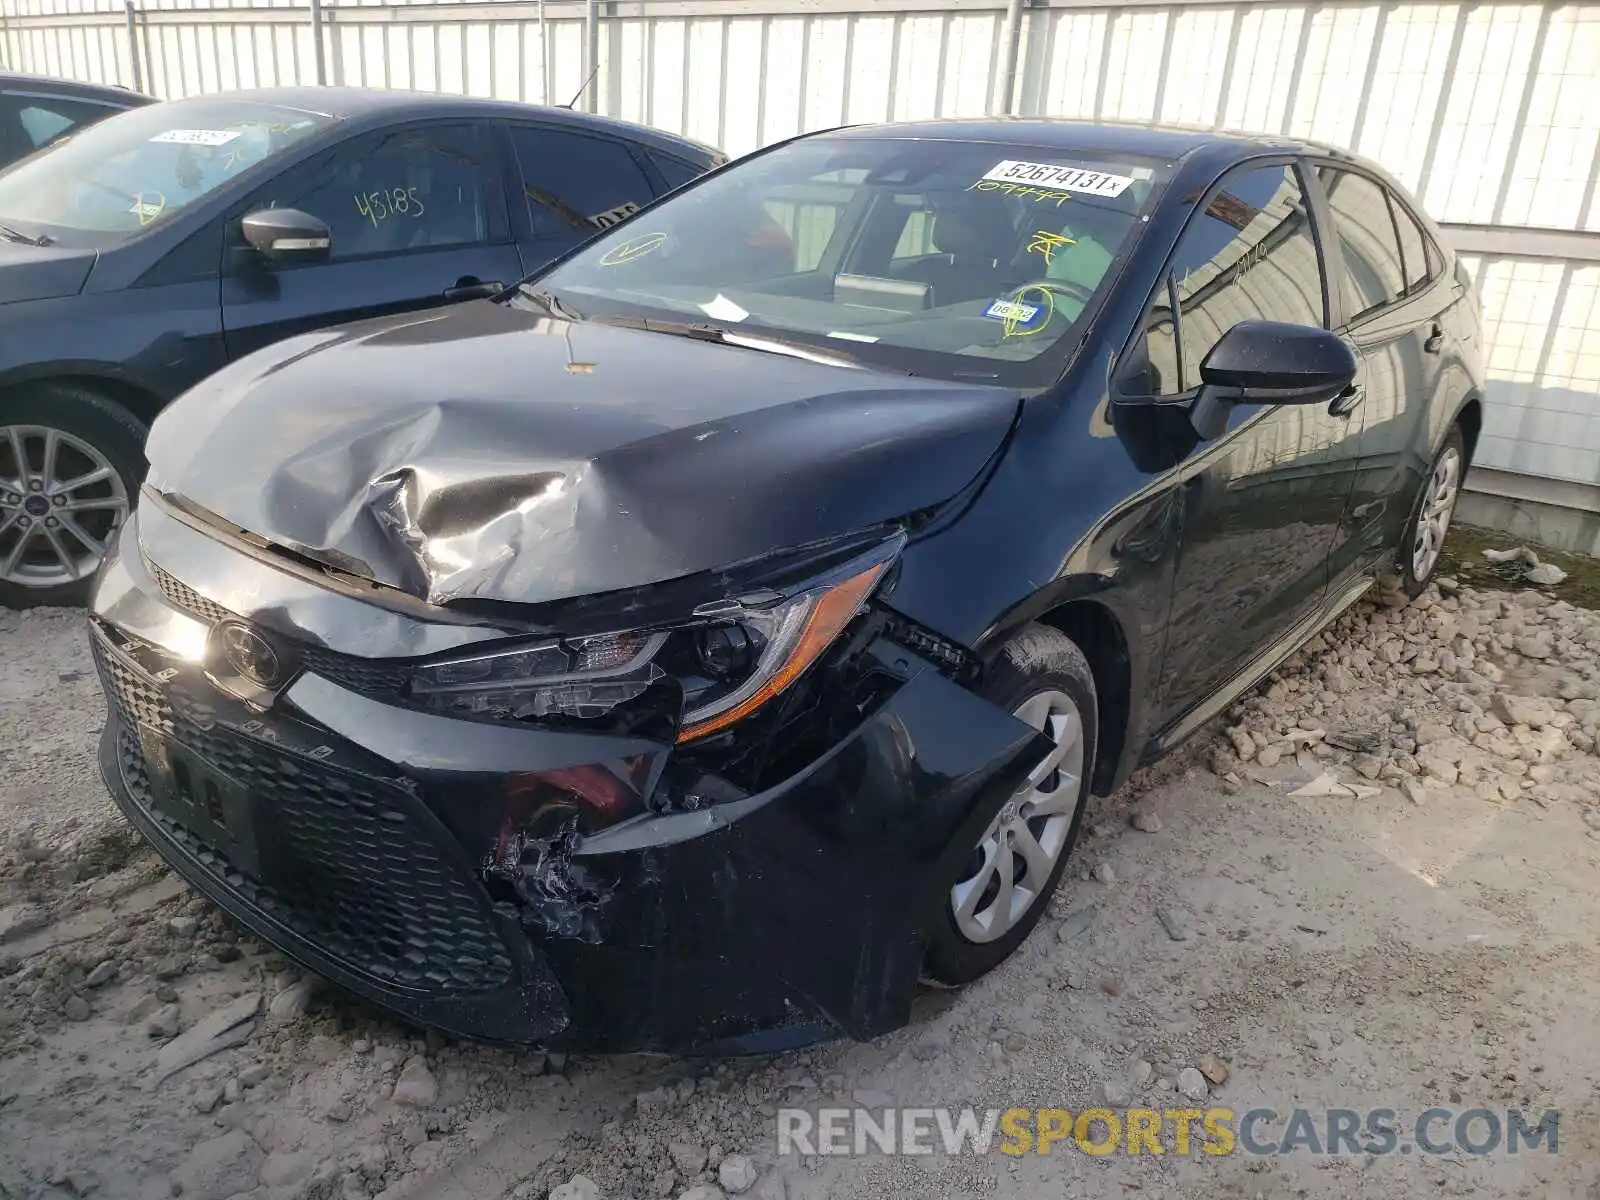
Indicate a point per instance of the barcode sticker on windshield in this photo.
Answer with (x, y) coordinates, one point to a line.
(197, 137)
(1053, 175)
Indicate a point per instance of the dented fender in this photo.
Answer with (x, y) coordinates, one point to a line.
(855, 850)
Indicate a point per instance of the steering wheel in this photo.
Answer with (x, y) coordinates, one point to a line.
(1060, 287)
(115, 191)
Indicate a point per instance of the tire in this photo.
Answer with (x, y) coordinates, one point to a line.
(43, 560)
(1415, 567)
(1042, 674)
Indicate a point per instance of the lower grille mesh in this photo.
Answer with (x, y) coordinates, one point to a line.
(355, 869)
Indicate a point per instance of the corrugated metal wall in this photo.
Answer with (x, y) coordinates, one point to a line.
(1489, 110)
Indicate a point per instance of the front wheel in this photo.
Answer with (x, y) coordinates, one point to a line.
(70, 466)
(1431, 513)
(1005, 882)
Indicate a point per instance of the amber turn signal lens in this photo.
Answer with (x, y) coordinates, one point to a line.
(831, 611)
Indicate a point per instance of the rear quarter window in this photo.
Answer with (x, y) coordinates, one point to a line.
(675, 171)
(1421, 259)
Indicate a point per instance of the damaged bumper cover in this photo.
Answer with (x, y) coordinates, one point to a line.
(390, 848)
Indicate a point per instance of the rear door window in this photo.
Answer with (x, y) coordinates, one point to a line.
(1373, 270)
(577, 183)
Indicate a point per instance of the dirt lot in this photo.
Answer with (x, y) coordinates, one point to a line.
(1424, 938)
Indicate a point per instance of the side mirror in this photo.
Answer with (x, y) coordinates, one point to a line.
(1269, 362)
(287, 235)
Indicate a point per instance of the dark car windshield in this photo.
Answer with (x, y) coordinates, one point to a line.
(960, 260)
(142, 167)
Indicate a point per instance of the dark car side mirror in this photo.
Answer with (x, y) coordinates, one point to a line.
(287, 235)
(1269, 362)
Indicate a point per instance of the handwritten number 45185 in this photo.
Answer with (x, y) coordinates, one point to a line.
(379, 206)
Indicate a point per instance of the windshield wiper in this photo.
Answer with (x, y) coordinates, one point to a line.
(548, 301)
(16, 235)
(705, 332)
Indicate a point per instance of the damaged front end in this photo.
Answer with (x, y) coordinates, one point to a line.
(706, 814)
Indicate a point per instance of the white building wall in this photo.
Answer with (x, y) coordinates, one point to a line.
(1489, 110)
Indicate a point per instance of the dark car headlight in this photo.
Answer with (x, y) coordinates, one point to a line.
(581, 678)
(730, 659)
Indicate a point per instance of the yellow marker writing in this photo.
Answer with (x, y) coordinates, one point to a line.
(631, 249)
(1047, 243)
(148, 210)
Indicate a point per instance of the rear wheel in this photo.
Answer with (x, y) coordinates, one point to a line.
(1431, 513)
(1004, 884)
(70, 466)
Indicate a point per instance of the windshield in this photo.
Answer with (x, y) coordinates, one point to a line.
(142, 167)
(959, 260)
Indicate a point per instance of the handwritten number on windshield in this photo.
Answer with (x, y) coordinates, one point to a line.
(384, 203)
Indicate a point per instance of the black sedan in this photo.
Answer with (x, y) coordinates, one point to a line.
(141, 254)
(36, 110)
(724, 633)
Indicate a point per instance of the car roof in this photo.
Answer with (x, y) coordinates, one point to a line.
(68, 88)
(1168, 142)
(382, 104)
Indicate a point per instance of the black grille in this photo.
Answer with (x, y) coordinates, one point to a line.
(356, 871)
(375, 677)
(135, 696)
(185, 597)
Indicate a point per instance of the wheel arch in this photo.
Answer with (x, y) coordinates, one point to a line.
(138, 399)
(1086, 616)
(1470, 418)
(1096, 631)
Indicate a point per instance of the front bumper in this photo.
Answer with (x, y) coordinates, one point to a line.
(358, 835)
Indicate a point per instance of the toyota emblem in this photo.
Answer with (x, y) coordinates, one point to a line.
(249, 654)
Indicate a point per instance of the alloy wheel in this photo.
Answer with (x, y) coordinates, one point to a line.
(61, 501)
(1433, 519)
(1012, 864)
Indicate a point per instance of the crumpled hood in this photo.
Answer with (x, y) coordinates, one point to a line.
(41, 272)
(491, 453)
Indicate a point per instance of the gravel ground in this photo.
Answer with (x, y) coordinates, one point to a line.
(1373, 885)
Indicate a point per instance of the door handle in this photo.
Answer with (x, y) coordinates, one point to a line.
(473, 289)
(1347, 401)
(1435, 342)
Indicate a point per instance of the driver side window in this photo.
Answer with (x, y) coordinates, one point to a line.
(413, 189)
(1248, 255)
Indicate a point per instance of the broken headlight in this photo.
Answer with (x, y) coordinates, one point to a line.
(730, 658)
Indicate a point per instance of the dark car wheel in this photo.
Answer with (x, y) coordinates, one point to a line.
(1004, 885)
(1431, 513)
(70, 465)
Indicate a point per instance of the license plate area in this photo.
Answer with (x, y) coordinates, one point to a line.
(192, 791)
